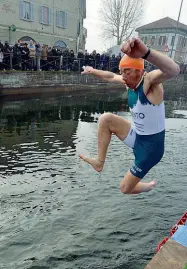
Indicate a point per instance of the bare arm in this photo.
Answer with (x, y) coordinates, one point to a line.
(106, 75)
(167, 67)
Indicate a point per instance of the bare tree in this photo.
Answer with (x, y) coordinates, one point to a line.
(120, 18)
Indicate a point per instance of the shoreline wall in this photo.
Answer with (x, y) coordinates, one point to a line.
(19, 82)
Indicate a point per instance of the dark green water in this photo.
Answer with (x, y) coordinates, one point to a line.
(57, 212)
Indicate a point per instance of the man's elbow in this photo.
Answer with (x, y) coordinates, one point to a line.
(174, 71)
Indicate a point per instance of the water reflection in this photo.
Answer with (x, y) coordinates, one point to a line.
(41, 127)
(33, 113)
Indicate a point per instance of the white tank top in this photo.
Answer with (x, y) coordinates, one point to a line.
(148, 118)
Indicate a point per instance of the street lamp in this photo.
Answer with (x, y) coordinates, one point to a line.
(13, 29)
(176, 29)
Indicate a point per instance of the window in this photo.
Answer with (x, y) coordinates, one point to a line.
(82, 4)
(182, 41)
(153, 40)
(78, 28)
(61, 44)
(46, 15)
(26, 39)
(61, 19)
(172, 40)
(162, 41)
(27, 10)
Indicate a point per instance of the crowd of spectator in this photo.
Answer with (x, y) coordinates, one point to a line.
(32, 57)
(23, 56)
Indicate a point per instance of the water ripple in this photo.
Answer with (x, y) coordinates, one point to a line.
(57, 212)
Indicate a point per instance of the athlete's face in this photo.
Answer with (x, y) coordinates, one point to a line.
(131, 77)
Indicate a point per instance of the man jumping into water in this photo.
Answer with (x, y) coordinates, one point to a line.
(145, 97)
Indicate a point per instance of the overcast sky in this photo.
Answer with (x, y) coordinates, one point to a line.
(154, 10)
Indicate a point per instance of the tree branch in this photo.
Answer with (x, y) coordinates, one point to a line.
(120, 18)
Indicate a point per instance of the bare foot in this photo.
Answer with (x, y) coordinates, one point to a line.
(152, 185)
(97, 165)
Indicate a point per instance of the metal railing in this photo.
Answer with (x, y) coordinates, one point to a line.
(37, 63)
(64, 63)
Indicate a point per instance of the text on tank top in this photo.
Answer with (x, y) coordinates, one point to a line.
(148, 118)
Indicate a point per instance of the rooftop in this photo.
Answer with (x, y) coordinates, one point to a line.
(162, 23)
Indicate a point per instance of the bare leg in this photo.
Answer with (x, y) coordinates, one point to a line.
(104, 137)
(108, 124)
(132, 185)
(143, 187)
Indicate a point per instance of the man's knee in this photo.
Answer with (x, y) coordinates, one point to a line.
(128, 183)
(125, 189)
(106, 118)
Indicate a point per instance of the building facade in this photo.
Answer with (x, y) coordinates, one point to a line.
(160, 35)
(50, 22)
(114, 50)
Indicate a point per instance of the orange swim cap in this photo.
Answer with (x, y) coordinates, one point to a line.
(135, 63)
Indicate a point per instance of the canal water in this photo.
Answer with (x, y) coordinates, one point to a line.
(57, 212)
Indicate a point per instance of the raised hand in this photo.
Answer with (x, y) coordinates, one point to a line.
(87, 70)
(134, 48)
